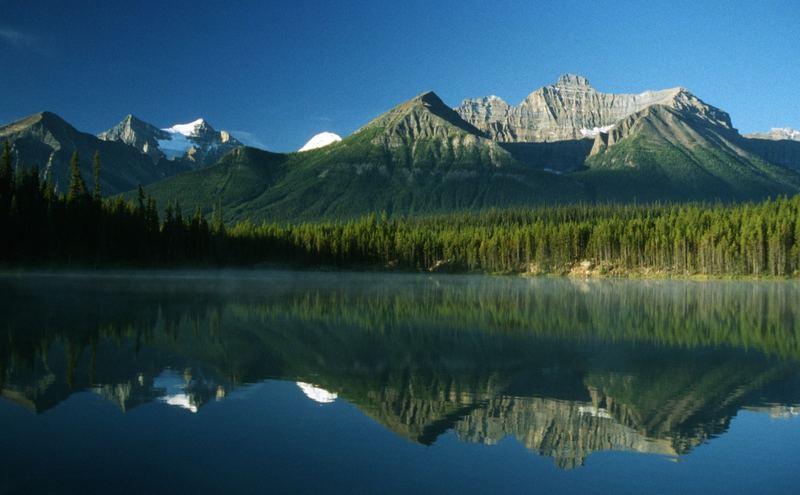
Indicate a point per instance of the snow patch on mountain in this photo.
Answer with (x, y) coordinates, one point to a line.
(181, 138)
(189, 129)
(317, 394)
(594, 131)
(786, 133)
(320, 140)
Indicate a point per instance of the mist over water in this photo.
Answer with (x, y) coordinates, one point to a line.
(415, 382)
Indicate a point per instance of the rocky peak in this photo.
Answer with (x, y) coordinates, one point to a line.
(427, 118)
(571, 109)
(45, 120)
(130, 129)
(686, 102)
(196, 142)
(572, 81)
(484, 110)
(423, 116)
(137, 133)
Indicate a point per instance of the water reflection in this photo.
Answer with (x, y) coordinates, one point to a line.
(567, 368)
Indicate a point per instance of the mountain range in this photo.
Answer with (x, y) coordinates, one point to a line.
(196, 144)
(565, 142)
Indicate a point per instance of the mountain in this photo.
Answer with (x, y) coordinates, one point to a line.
(196, 144)
(777, 134)
(419, 157)
(684, 150)
(47, 141)
(423, 157)
(320, 140)
(564, 143)
(655, 145)
(570, 109)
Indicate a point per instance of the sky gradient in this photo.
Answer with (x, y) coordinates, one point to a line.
(276, 73)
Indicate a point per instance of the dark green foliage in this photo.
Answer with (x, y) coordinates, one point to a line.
(355, 177)
(752, 239)
(6, 175)
(96, 174)
(643, 169)
(77, 187)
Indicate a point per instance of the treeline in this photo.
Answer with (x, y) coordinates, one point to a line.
(79, 227)
(760, 239)
(44, 227)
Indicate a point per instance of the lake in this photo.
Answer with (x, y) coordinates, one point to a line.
(298, 382)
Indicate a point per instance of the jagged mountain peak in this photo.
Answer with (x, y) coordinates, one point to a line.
(425, 130)
(196, 142)
(572, 81)
(45, 118)
(571, 109)
(46, 141)
(422, 117)
(129, 124)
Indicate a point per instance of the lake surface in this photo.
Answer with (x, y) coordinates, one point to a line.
(282, 382)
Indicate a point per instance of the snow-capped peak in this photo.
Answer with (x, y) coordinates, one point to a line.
(786, 133)
(320, 140)
(187, 130)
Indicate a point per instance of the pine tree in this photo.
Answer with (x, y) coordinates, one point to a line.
(141, 198)
(96, 173)
(77, 187)
(6, 177)
(217, 225)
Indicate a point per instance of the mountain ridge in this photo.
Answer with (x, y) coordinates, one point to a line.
(572, 109)
(46, 141)
(195, 144)
(422, 156)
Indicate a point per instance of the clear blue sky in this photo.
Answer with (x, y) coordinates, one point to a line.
(285, 70)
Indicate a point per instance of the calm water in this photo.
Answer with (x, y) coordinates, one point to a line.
(280, 382)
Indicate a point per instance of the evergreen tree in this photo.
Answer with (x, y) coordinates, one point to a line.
(96, 173)
(217, 225)
(6, 178)
(77, 187)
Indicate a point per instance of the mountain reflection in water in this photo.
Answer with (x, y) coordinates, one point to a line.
(566, 367)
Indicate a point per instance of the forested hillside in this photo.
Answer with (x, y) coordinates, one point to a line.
(82, 229)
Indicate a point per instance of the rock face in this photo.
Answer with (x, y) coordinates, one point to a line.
(571, 109)
(138, 134)
(196, 143)
(47, 141)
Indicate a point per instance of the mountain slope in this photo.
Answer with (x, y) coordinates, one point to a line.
(419, 157)
(681, 152)
(46, 141)
(784, 152)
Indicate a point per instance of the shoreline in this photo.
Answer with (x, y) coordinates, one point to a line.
(573, 273)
